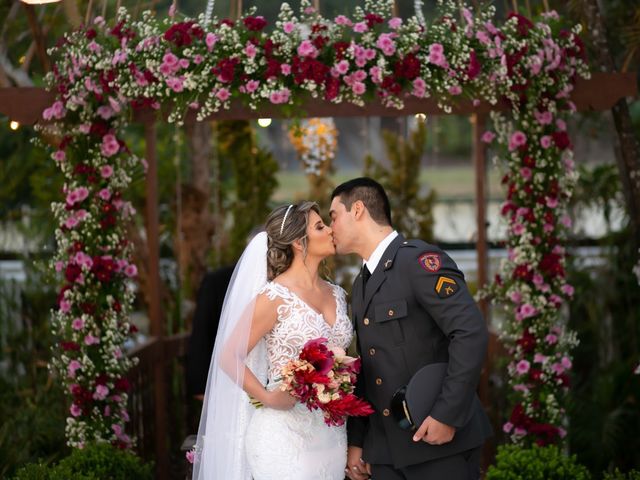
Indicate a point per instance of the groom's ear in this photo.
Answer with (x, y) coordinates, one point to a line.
(358, 209)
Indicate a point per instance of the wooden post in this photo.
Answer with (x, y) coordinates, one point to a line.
(155, 312)
(479, 161)
(38, 37)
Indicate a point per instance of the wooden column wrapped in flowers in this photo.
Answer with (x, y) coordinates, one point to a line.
(104, 72)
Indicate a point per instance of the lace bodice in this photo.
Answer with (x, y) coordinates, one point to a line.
(298, 323)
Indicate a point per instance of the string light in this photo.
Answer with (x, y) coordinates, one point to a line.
(13, 125)
(264, 122)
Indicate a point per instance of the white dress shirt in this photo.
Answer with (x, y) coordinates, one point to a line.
(376, 256)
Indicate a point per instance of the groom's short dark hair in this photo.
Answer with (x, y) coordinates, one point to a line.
(369, 192)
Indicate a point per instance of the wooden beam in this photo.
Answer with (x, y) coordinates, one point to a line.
(600, 93)
(155, 311)
(480, 166)
(38, 37)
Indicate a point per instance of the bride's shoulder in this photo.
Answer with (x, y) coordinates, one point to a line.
(273, 290)
(336, 288)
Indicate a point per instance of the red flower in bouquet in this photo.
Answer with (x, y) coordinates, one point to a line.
(324, 378)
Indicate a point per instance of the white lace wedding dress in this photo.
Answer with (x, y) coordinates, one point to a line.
(297, 444)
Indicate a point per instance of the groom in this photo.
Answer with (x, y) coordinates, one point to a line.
(411, 308)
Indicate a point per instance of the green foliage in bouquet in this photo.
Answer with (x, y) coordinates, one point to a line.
(411, 210)
(99, 461)
(536, 463)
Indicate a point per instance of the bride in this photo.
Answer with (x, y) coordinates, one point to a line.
(276, 302)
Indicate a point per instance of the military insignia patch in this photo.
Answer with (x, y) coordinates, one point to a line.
(445, 286)
(430, 262)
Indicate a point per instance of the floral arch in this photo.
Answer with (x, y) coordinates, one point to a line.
(104, 73)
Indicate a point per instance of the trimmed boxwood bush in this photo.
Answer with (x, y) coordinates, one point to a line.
(535, 463)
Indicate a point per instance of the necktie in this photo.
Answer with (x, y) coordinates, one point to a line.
(365, 277)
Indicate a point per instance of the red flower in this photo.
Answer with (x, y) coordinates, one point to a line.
(336, 411)
(546, 433)
(319, 42)
(524, 24)
(551, 265)
(122, 384)
(70, 346)
(373, 19)
(535, 374)
(255, 24)
(88, 307)
(474, 68)
(225, 69)
(99, 128)
(103, 268)
(522, 272)
(408, 67)
(561, 139)
(529, 161)
(317, 353)
(332, 88)
(181, 33)
(519, 418)
(389, 83)
(340, 48)
(268, 47)
(527, 342)
(91, 33)
(72, 272)
(273, 68)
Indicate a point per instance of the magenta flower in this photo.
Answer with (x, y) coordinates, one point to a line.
(526, 173)
(539, 358)
(566, 362)
(71, 222)
(252, 86)
(210, 40)
(566, 220)
(65, 306)
(223, 94)
(358, 88)
(455, 90)
(515, 296)
(72, 367)
(77, 324)
(101, 392)
(250, 50)
(285, 69)
(360, 27)
(131, 270)
(552, 202)
(91, 340)
(551, 339)
(307, 49)
(395, 23)
(488, 136)
(546, 141)
(75, 410)
(175, 83)
(386, 44)
(507, 427)
(342, 67)
(288, 27)
(343, 21)
(518, 229)
(104, 194)
(527, 310)
(544, 118)
(191, 456)
(110, 145)
(517, 139)
(567, 289)
(523, 367)
(557, 368)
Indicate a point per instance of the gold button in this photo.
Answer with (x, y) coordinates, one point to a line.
(372, 351)
(386, 412)
(391, 312)
(378, 381)
(366, 321)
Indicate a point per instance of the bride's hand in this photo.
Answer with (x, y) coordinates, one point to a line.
(279, 400)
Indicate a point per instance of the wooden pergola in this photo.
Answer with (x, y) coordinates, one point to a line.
(25, 105)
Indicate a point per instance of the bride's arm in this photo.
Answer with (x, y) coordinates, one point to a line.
(234, 354)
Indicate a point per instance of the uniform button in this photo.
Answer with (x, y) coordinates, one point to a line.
(386, 412)
(366, 321)
(378, 381)
(391, 312)
(372, 351)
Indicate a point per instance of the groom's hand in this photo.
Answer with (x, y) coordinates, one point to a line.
(434, 432)
(356, 469)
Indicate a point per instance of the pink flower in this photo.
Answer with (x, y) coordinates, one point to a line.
(557, 368)
(419, 87)
(537, 279)
(250, 50)
(71, 222)
(566, 220)
(131, 270)
(75, 410)
(110, 145)
(107, 411)
(65, 306)
(59, 266)
(376, 74)
(395, 23)
(211, 39)
(184, 63)
(527, 310)
(59, 156)
(561, 124)
(488, 136)
(72, 367)
(77, 324)
(566, 362)
(104, 194)
(175, 83)
(567, 289)
(539, 358)
(223, 94)
(252, 86)
(545, 141)
(280, 96)
(483, 37)
(507, 427)
(285, 68)
(544, 118)
(170, 60)
(117, 429)
(288, 27)
(105, 111)
(551, 339)
(343, 21)
(360, 27)
(518, 229)
(101, 392)
(386, 44)
(307, 49)
(191, 456)
(455, 90)
(91, 340)
(523, 367)
(552, 202)
(517, 139)
(369, 53)
(359, 75)
(358, 88)
(106, 171)
(515, 296)
(198, 59)
(525, 172)
(342, 67)
(519, 432)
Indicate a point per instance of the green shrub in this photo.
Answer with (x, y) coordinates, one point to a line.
(33, 471)
(94, 462)
(618, 475)
(536, 463)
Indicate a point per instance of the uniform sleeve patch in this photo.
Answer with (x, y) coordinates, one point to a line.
(431, 261)
(446, 286)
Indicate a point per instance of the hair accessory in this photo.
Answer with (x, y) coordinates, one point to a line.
(285, 218)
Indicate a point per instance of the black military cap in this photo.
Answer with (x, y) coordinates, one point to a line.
(412, 403)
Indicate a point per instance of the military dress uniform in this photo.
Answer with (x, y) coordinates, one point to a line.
(416, 310)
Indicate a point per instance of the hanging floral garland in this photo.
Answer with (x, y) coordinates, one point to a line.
(315, 141)
(103, 72)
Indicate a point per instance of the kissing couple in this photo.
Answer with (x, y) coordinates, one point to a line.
(410, 308)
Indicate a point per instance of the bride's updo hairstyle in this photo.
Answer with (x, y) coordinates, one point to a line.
(285, 225)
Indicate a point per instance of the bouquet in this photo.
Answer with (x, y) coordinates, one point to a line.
(324, 378)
